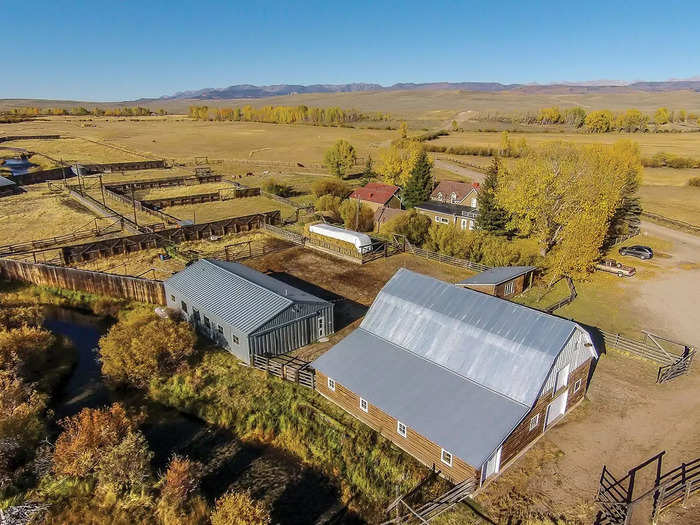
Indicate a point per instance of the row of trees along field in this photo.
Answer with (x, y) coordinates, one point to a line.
(604, 120)
(136, 111)
(285, 114)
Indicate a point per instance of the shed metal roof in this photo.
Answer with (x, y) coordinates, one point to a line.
(460, 415)
(497, 275)
(503, 346)
(6, 182)
(239, 295)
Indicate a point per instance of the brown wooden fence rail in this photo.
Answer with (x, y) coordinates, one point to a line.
(286, 367)
(99, 283)
(676, 486)
(454, 261)
(672, 222)
(160, 239)
(144, 184)
(141, 206)
(638, 348)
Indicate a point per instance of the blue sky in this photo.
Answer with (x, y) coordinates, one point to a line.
(123, 49)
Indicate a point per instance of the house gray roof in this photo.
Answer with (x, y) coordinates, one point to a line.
(497, 275)
(458, 414)
(447, 208)
(239, 295)
(503, 346)
(6, 182)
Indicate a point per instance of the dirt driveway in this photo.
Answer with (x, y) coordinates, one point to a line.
(670, 299)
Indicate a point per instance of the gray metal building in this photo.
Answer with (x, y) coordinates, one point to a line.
(245, 311)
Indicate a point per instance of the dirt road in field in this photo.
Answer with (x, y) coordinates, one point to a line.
(670, 298)
(471, 174)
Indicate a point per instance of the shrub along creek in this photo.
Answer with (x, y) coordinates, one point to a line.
(155, 426)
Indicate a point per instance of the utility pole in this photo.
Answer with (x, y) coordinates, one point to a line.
(133, 201)
(102, 189)
(357, 214)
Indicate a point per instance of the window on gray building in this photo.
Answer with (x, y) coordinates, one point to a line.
(183, 305)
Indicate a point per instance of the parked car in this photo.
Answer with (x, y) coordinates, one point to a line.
(612, 266)
(643, 252)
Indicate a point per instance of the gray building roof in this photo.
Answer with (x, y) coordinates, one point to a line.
(6, 182)
(447, 208)
(504, 346)
(461, 416)
(497, 275)
(458, 366)
(239, 295)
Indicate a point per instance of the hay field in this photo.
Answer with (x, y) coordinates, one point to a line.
(687, 144)
(71, 150)
(38, 214)
(184, 140)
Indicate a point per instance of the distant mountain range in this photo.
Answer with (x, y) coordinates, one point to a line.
(251, 91)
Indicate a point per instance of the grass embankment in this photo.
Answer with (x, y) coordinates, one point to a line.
(265, 409)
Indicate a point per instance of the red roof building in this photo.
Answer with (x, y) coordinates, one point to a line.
(376, 194)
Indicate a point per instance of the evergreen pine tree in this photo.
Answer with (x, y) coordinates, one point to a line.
(491, 218)
(420, 182)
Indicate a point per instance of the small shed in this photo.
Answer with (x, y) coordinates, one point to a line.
(361, 241)
(7, 187)
(246, 311)
(501, 281)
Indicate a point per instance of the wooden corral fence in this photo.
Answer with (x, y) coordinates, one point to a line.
(620, 500)
(672, 222)
(567, 300)
(141, 206)
(8, 138)
(286, 367)
(144, 184)
(124, 166)
(446, 259)
(654, 351)
(192, 232)
(241, 251)
(101, 209)
(99, 283)
(79, 233)
(36, 177)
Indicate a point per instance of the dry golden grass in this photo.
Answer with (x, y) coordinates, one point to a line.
(38, 214)
(217, 210)
(179, 191)
(676, 202)
(71, 150)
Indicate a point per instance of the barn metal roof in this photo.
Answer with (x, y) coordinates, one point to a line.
(503, 346)
(458, 414)
(497, 275)
(239, 295)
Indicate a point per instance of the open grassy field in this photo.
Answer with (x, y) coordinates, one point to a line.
(38, 214)
(686, 144)
(431, 104)
(676, 202)
(214, 211)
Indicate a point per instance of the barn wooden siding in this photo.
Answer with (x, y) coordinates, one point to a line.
(415, 444)
(145, 241)
(522, 436)
(98, 283)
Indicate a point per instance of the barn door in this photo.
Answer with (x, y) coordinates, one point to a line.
(493, 465)
(321, 327)
(556, 408)
(562, 378)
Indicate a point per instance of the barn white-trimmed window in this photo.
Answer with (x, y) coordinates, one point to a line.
(401, 429)
(446, 457)
(453, 198)
(331, 384)
(577, 385)
(509, 288)
(172, 298)
(534, 422)
(364, 406)
(234, 339)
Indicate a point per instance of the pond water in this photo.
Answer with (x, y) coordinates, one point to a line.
(18, 166)
(293, 493)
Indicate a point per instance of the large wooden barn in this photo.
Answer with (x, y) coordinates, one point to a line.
(245, 311)
(457, 378)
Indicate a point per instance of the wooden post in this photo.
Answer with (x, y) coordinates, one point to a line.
(658, 505)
